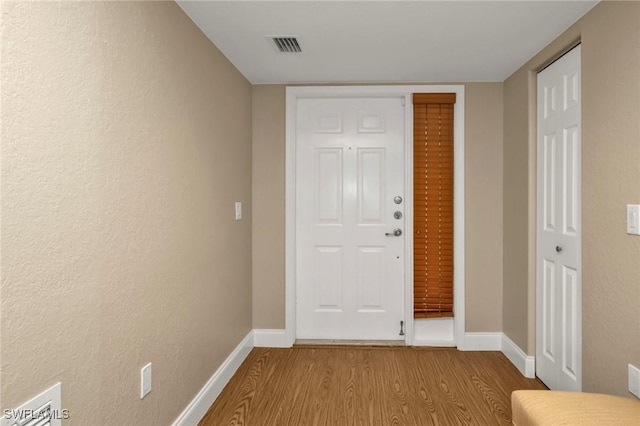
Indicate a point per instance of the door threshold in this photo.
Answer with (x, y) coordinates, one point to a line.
(339, 342)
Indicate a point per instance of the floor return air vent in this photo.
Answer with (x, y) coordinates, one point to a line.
(43, 410)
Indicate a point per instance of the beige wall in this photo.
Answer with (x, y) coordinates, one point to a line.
(515, 213)
(483, 206)
(610, 36)
(268, 206)
(126, 138)
(483, 169)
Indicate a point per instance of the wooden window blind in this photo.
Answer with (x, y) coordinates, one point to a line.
(433, 204)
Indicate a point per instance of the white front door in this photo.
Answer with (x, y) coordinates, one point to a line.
(349, 184)
(559, 250)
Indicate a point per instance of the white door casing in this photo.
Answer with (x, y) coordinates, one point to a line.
(350, 265)
(559, 225)
(287, 337)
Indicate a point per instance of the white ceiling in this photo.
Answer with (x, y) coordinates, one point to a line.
(383, 41)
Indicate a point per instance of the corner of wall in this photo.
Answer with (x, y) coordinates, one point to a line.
(198, 407)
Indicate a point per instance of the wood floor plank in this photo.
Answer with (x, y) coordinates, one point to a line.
(368, 386)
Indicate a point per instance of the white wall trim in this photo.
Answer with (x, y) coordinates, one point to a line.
(198, 407)
(526, 364)
(409, 324)
(523, 362)
(290, 213)
(482, 342)
(271, 338)
(433, 332)
(437, 343)
(459, 233)
(300, 92)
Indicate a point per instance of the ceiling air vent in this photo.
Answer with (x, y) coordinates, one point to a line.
(287, 44)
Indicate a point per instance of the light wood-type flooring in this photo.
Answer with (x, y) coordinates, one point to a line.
(351, 385)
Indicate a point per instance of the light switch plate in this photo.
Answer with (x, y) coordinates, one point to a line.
(633, 219)
(238, 210)
(634, 380)
(145, 380)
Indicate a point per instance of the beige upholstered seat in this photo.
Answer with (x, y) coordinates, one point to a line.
(539, 407)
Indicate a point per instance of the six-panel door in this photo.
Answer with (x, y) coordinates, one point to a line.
(559, 255)
(350, 264)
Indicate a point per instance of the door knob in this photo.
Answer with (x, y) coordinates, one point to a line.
(397, 199)
(396, 233)
(558, 249)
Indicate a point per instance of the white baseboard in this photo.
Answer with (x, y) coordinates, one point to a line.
(443, 343)
(274, 338)
(437, 332)
(523, 362)
(198, 407)
(482, 342)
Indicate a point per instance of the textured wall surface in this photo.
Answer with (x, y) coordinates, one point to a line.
(483, 157)
(268, 206)
(610, 35)
(483, 206)
(126, 138)
(611, 179)
(515, 210)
